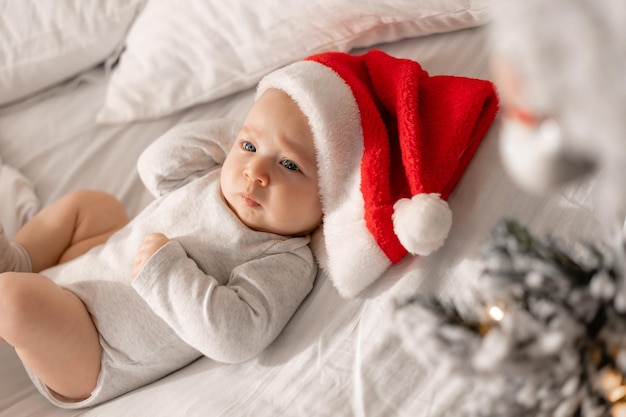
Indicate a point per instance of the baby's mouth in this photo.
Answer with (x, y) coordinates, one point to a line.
(248, 200)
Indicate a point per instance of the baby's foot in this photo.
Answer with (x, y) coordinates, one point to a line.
(13, 256)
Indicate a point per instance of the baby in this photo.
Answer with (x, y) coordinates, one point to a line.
(227, 269)
(371, 143)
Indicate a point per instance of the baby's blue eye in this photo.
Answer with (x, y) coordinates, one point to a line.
(248, 146)
(290, 165)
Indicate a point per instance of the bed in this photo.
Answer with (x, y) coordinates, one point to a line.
(87, 86)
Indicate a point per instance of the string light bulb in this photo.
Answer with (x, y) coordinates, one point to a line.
(612, 384)
(618, 410)
(495, 313)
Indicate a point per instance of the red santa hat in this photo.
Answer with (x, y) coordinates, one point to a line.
(392, 142)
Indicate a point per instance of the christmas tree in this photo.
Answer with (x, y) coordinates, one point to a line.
(548, 337)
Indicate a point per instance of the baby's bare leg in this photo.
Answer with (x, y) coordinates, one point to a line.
(52, 333)
(70, 227)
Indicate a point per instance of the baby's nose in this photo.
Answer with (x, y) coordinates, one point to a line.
(258, 172)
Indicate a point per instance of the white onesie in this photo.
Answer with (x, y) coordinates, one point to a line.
(218, 289)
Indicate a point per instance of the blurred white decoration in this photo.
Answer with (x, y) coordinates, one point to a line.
(562, 62)
(535, 156)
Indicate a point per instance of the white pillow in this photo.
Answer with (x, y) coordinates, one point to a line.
(180, 53)
(45, 42)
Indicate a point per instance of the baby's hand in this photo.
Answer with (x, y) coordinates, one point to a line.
(152, 243)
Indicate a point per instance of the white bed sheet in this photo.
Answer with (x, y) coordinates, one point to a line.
(336, 357)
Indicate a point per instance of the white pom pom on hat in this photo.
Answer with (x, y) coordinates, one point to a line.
(422, 223)
(392, 142)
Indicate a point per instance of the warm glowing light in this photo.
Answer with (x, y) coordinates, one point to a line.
(612, 385)
(616, 394)
(618, 410)
(495, 313)
(610, 379)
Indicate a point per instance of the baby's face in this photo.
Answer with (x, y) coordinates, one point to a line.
(269, 178)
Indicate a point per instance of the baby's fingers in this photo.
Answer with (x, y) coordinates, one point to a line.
(152, 243)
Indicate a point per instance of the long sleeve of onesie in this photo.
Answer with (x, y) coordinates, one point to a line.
(184, 153)
(232, 322)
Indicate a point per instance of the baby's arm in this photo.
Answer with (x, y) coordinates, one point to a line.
(184, 153)
(233, 322)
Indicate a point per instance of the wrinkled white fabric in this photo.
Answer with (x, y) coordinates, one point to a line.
(19, 200)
